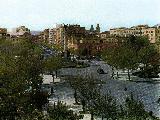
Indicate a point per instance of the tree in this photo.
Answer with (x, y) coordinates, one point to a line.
(127, 59)
(19, 76)
(146, 54)
(83, 102)
(61, 112)
(53, 63)
(137, 42)
(89, 92)
(73, 51)
(75, 83)
(121, 57)
(129, 54)
(106, 107)
(135, 109)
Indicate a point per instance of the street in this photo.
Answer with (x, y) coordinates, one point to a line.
(148, 93)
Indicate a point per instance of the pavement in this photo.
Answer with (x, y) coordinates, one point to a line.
(148, 93)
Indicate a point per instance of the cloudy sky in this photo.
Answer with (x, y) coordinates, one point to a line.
(40, 14)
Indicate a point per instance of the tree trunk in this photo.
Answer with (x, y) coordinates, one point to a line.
(52, 90)
(112, 73)
(75, 96)
(83, 105)
(102, 117)
(117, 75)
(56, 73)
(129, 77)
(92, 118)
(53, 78)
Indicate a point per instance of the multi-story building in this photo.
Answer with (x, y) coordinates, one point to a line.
(152, 33)
(74, 33)
(67, 36)
(104, 35)
(21, 31)
(93, 45)
(3, 32)
(158, 34)
(118, 31)
(60, 34)
(75, 37)
(46, 35)
(52, 35)
(135, 30)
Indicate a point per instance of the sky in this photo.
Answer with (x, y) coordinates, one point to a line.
(41, 14)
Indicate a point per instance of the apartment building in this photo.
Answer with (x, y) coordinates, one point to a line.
(3, 32)
(141, 30)
(46, 35)
(59, 34)
(52, 35)
(104, 35)
(151, 33)
(158, 33)
(118, 31)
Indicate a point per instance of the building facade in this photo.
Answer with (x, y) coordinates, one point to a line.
(20, 32)
(3, 32)
(52, 35)
(141, 30)
(59, 34)
(46, 35)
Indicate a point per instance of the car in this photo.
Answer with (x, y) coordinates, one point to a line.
(101, 71)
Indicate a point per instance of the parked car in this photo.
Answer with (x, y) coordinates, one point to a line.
(101, 71)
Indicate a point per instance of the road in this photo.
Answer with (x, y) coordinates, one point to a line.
(148, 93)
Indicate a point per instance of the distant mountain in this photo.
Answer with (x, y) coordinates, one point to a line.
(35, 32)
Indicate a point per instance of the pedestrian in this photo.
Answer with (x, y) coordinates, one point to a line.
(158, 100)
(125, 89)
(52, 90)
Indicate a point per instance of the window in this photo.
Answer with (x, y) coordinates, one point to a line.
(101, 41)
